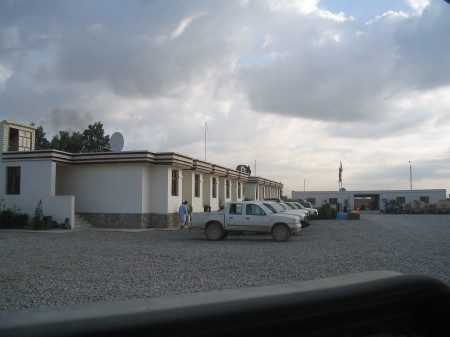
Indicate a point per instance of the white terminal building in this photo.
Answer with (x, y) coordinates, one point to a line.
(369, 200)
(138, 189)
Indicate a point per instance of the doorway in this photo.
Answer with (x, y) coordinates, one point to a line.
(367, 202)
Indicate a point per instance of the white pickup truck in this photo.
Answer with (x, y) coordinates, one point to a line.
(246, 216)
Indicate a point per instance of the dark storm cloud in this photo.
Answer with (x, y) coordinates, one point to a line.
(70, 120)
(138, 52)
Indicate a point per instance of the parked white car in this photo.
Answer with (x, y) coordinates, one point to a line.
(313, 212)
(275, 207)
(246, 216)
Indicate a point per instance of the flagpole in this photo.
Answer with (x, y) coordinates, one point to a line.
(340, 187)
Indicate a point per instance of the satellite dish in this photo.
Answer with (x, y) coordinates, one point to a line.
(116, 142)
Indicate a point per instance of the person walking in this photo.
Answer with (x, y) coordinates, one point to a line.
(183, 211)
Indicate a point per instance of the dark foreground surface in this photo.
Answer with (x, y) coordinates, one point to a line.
(69, 267)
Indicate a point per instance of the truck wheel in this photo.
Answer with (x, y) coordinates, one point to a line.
(281, 233)
(214, 232)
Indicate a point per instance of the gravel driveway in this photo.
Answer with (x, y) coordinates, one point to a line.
(66, 267)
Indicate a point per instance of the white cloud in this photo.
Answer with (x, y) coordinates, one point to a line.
(302, 6)
(97, 29)
(5, 75)
(418, 5)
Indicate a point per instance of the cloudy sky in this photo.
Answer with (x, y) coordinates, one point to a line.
(293, 86)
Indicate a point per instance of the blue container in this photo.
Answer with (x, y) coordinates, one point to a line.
(341, 216)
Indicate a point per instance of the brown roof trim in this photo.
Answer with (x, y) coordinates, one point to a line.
(135, 157)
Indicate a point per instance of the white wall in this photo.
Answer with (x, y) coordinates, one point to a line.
(37, 183)
(222, 189)
(174, 202)
(156, 185)
(207, 192)
(250, 191)
(101, 188)
(410, 195)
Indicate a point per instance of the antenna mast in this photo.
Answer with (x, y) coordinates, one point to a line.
(206, 126)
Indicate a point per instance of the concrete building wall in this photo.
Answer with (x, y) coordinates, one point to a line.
(351, 198)
(208, 196)
(157, 190)
(37, 182)
(251, 191)
(174, 201)
(117, 189)
(189, 190)
(236, 190)
(225, 190)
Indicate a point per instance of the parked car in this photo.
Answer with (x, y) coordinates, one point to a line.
(275, 207)
(308, 205)
(313, 212)
(246, 216)
(291, 208)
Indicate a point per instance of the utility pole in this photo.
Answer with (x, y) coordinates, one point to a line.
(410, 175)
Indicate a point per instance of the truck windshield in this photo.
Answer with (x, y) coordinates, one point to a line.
(275, 208)
(285, 206)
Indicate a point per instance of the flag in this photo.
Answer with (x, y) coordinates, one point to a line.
(340, 172)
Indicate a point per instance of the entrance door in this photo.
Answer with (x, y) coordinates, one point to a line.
(367, 201)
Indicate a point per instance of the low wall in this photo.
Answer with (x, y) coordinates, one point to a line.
(131, 220)
(59, 207)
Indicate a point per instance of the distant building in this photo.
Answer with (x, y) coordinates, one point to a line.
(137, 189)
(369, 200)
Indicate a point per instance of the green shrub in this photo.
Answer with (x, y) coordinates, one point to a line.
(37, 222)
(7, 219)
(13, 218)
(327, 212)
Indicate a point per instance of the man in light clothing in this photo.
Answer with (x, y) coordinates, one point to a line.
(183, 212)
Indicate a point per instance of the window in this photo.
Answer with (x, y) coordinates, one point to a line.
(24, 140)
(236, 209)
(254, 210)
(425, 199)
(401, 200)
(197, 186)
(13, 180)
(175, 182)
(311, 200)
(19, 140)
(257, 194)
(333, 201)
(239, 193)
(228, 189)
(214, 187)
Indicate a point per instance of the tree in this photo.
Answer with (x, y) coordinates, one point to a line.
(94, 139)
(76, 143)
(61, 141)
(41, 143)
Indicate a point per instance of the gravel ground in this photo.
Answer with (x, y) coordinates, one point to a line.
(68, 267)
